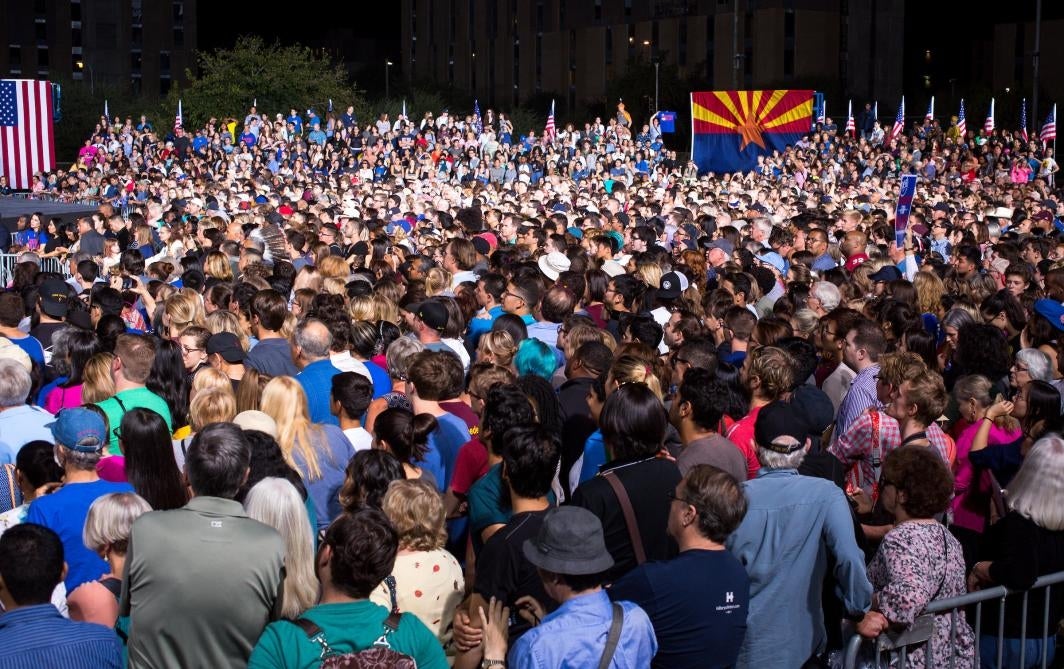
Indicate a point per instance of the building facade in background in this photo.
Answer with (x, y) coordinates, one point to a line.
(143, 46)
(506, 51)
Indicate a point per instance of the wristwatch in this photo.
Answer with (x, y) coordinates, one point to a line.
(487, 664)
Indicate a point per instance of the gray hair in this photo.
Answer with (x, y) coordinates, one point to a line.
(828, 294)
(806, 321)
(314, 338)
(15, 383)
(71, 459)
(1038, 364)
(399, 354)
(957, 317)
(218, 460)
(110, 520)
(1036, 490)
(773, 460)
(61, 349)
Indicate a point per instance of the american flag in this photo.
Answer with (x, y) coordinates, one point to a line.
(548, 130)
(478, 122)
(962, 125)
(27, 139)
(1023, 120)
(930, 115)
(822, 112)
(988, 124)
(1049, 129)
(899, 122)
(178, 119)
(851, 127)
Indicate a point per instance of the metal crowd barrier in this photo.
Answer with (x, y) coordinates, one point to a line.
(953, 606)
(52, 197)
(9, 260)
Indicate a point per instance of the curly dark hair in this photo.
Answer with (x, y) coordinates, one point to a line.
(920, 473)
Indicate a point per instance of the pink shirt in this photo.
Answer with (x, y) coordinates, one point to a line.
(62, 398)
(971, 487)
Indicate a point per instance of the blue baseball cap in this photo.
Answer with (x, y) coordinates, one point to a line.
(1052, 311)
(81, 430)
(575, 232)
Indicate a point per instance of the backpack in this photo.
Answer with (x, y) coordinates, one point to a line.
(380, 655)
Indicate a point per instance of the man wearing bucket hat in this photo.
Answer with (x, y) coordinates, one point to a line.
(80, 437)
(586, 630)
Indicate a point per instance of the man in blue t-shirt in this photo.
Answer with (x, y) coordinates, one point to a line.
(435, 375)
(697, 601)
(80, 437)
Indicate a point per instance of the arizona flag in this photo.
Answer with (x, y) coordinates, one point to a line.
(730, 129)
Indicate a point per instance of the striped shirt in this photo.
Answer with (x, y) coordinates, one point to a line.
(860, 396)
(32, 637)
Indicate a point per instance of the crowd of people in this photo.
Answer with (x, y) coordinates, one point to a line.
(321, 390)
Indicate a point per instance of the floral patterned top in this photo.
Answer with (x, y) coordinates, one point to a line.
(915, 564)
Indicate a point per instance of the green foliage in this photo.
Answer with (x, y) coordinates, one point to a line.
(278, 77)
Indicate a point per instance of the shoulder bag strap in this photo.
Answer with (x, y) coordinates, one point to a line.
(614, 637)
(629, 516)
(315, 634)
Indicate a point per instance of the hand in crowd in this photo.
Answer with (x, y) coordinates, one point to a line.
(495, 625)
(530, 609)
(872, 625)
(466, 635)
(999, 409)
(979, 576)
(862, 501)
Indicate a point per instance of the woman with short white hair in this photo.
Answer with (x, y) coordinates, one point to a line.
(1030, 365)
(823, 297)
(276, 502)
(107, 528)
(1026, 543)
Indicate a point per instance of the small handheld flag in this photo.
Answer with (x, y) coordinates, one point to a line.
(899, 122)
(1023, 120)
(988, 125)
(822, 113)
(106, 112)
(478, 123)
(930, 115)
(548, 130)
(875, 110)
(178, 120)
(851, 127)
(330, 105)
(404, 108)
(962, 125)
(1049, 128)
(255, 102)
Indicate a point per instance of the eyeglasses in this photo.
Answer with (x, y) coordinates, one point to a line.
(186, 350)
(1019, 369)
(673, 497)
(677, 360)
(513, 295)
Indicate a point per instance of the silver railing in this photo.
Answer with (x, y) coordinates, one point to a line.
(900, 648)
(9, 260)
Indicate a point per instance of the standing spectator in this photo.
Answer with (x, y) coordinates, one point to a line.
(12, 311)
(633, 423)
(186, 568)
(862, 345)
(434, 376)
(32, 632)
(767, 373)
(20, 423)
(130, 368)
(697, 413)
(311, 342)
(793, 523)
(271, 355)
(319, 452)
(148, 460)
(918, 561)
(106, 532)
(35, 474)
(350, 396)
(79, 435)
(274, 501)
(356, 554)
(698, 600)
(426, 579)
(586, 630)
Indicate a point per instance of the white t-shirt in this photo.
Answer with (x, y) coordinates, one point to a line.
(360, 438)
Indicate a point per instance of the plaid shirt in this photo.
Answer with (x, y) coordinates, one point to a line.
(867, 442)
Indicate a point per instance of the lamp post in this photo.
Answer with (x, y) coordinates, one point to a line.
(387, 72)
(92, 78)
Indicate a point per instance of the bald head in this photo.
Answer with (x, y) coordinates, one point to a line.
(313, 340)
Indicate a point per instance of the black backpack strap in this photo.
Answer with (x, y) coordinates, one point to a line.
(614, 636)
(315, 634)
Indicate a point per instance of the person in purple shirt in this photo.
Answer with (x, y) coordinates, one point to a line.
(311, 342)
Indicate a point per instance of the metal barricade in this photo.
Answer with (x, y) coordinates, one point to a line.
(9, 260)
(954, 606)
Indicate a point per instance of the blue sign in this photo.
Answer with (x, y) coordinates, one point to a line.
(667, 121)
(905, 204)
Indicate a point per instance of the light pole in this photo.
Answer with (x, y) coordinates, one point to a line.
(387, 72)
(92, 79)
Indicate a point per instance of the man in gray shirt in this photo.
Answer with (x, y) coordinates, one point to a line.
(202, 582)
(696, 413)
